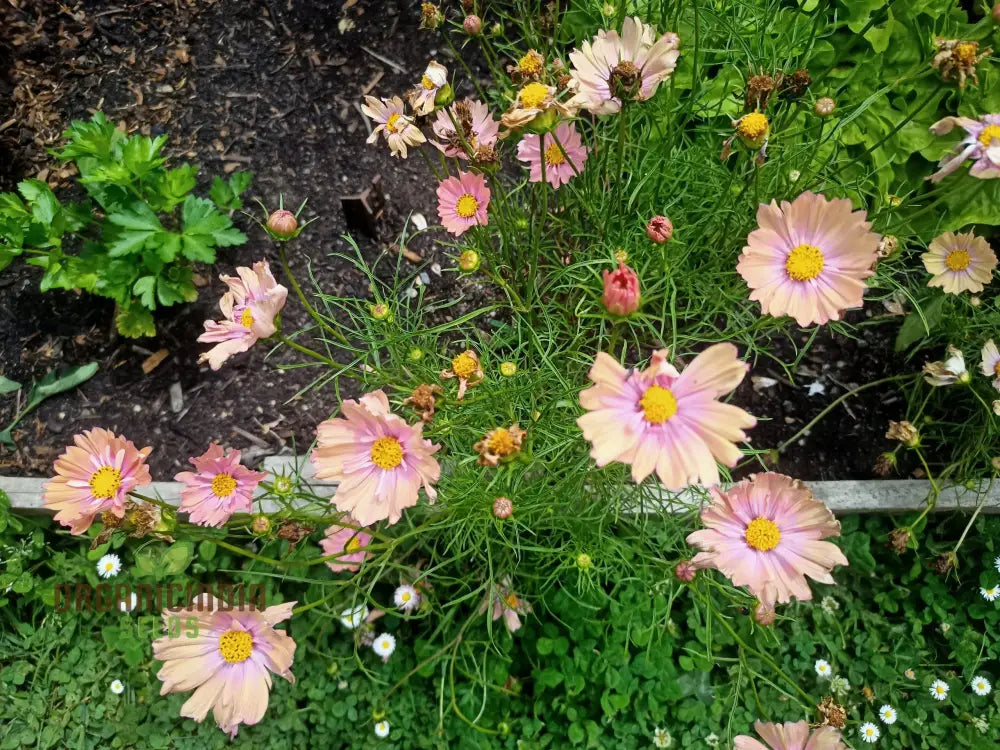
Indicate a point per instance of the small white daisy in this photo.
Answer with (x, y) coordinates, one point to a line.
(981, 686)
(945, 627)
(662, 738)
(990, 594)
(996, 564)
(829, 605)
(869, 732)
(382, 729)
(794, 175)
(939, 690)
(406, 598)
(353, 617)
(117, 687)
(822, 667)
(342, 685)
(108, 566)
(384, 645)
(887, 714)
(712, 740)
(909, 674)
(840, 685)
(130, 604)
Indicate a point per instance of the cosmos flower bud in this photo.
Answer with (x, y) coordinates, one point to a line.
(468, 261)
(416, 354)
(508, 369)
(660, 229)
(503, 507)
(261, 525)
(381, 311)
(282, 224)
(473, 25)
(584, 561)
(764, 614)
(445, 96)
(621, 291)
(825, 106)
(496, 29)
(685, 571)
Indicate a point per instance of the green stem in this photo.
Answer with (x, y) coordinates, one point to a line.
(305, 303)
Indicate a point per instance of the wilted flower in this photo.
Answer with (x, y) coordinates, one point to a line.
(218, 487)
(467, 369)
(434, 80)
(468, 261)
(621, 291)
(535, 106)
(501, 444)
(824, 107)
(506, 604)
(477, 126)
(660, 229)
(899, 540)
(981, 144)
(473, 25)
(752, 129)
(790, 736)
(430, 16)
(530, 67)
(282, 224)
(904, 432)
(759, 88)
(423, 400)
(794, 86)
(887, 246)
(958, 59)
(834, 714)
(503, 507)
(959, 262)
(350, 545)
(952, 370)
(463, 202)
(564, 156)
(398, 128)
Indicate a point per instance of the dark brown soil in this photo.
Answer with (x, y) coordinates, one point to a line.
(271, 86)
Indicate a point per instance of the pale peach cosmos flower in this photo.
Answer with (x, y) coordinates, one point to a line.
(219, 487)
(249, 308)
(467, 369)
(378, 460)
(435, 77)
(462, 202)
(790, 736)
(660, 420)
(766, 533)
(228, 662)
(990, 366)
(981, 144)
(506, 604)
(959, 262)
(350, 544)
(393, 123)
(809, 258)
(95, 476)
(533, 100)
(564, 154)
(615, 67)
(476, 123)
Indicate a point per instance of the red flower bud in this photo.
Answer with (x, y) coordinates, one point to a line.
(764, 614)
(282, 224)
(660, 229)
(473, 25)
(503, 507)
(685, 571)
(621, 291)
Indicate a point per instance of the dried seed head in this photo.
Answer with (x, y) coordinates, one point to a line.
(834, 714)
(884, 464)
(795, 85)
(944, 563)
(904, 432)
(759, 89)
(899, 540)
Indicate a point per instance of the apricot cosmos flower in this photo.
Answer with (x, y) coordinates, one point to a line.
(981, 144)
(661, 420)
(377, 459)
(467, 369)
(809, 258)
(766, 533)
(462, 202)
(350, 544)
(398, 128)
(506, 604)
(219, 487)
(790, 736)
(95, 476)
(249, 309)
(959, 262)
(228, 661)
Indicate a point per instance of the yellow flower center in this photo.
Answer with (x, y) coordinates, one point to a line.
(990, 133)
(406, 596)
(530, 64)
(965, 52)
(387, 453)
(354, 545)
(235, 646)
(109, 566)
(427, 83)
(533, 95)
(554, 155)
(658, 404)
(958, 260)
(804, 263)
(105, 482)
(223, 485)
(467, 206)
(996, 368)
(246, 318)
(502, 442)
(939, 689)
(752, 126)
(390, 124)
(869, 731)
(512, 601)
(763, 534)
(464, 365)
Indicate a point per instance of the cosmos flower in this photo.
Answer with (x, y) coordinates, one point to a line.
(535, 106)
(660, 420)
(478, 128)
(95, 476)
(766, 533)
(869, 732)
(990, 366)
(506, 604)
(809, 258)
(467, 369)
(981, 686)
(219, 487)
(422, 98)
(564, 154)
(613, 68)
(463, 202)
(957, 58)
(981, 144)
(378, 461)
(109, 566)
(501, 444)
(228, 662)
(790, 736)
(951, 371)
(393, 123)
(939, 690)
(350, 544)
(887, 714)
(249, 309)
(959, 262)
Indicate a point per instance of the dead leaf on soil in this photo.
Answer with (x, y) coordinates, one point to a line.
(153, 360)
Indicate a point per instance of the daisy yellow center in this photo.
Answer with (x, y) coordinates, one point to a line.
(554, 155)
(467, 206)
(464, 365)
(753, 125)
(804, 263)
(246, 318)
(658, 404)
(763, 534)
(512, 601)
(939, 689)
(965, 53)
(353, 545)
(869, 731)
(990, 133)
(957, 260)
(406, 596)
(530, 65)
(223, 485)
(235, 646)
(109, 566)
(105, 482)
(387, 453)
(502, 443)
(427, 83)
(533, 95)
(390, 124)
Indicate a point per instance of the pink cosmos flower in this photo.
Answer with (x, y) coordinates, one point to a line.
(249, 308)
(660, 420)
(660, 229)
(350, 544)
(808, 258)
(790, 736)
(630, 66)
(765, 533)
(959, 262)
(981, 144)
(378, 460)
(990, 365)
(228, 661)
(95, 476)
(507, 604)
(564, 155)
(397, 127)
(462, 202)
(477, 124)
(219, 487)
(621, 291)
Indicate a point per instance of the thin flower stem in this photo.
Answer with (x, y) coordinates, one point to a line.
(465, 65)
(305, 303)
